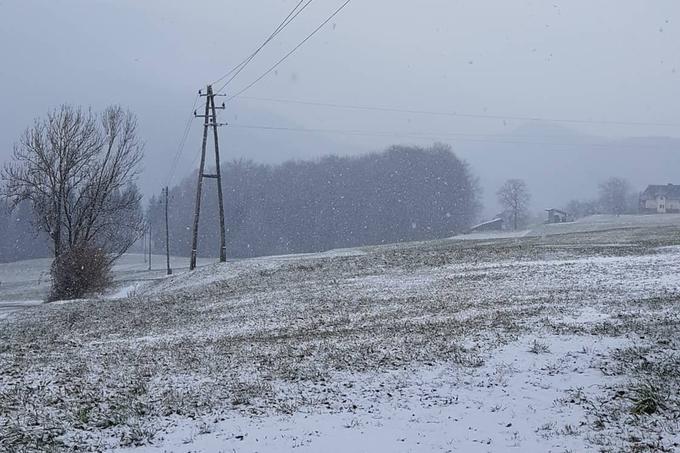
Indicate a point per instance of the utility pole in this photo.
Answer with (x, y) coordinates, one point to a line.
(210, 120)
(149, 244)
(167, 234)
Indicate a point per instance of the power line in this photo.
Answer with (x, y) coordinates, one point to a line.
(266, 41)
(238, 68)
(483, 138)
(182, 143)
(285, 57)
(457, 114)
(248, 60)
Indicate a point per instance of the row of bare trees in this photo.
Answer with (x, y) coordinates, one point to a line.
(77, 169)
(615, 196)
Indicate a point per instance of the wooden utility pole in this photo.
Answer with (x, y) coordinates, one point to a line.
(167, 234)
(149, 226)
(210, 120)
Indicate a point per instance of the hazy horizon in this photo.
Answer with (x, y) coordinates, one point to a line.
(603, 68)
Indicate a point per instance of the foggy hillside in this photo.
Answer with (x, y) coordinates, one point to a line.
(559, 164)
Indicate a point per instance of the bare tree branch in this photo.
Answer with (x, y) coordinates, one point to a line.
(514, 197)
(77, 170)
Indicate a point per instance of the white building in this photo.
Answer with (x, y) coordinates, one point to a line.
(660, 199)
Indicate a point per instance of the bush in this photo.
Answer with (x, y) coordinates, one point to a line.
(81, 271)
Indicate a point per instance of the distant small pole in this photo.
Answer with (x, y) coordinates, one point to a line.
(167, 234)
(149, 244)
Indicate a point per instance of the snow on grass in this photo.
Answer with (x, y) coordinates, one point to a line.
(9, 306)
(593, 223)
(531, 345)
(123, 291)
(433, 408)
(492, 235)
(26, 283)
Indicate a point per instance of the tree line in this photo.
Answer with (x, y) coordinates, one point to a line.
(18, 239)
(615, 196)
(405, 193)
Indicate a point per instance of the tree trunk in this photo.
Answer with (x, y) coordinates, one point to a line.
(56, 234)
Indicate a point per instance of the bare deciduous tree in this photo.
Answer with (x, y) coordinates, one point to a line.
(514, 197)
(578, 209)
(615, 195)
(77, 170)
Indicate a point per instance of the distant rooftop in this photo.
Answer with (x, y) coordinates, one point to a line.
(667, 190)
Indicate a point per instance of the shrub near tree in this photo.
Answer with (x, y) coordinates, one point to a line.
(79, 271)
(77, 169)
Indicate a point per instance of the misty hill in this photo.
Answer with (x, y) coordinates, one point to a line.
(560, 164)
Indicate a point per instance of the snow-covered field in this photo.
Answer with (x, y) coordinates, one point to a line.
(536, 344)
(593, 223)
(27, 283)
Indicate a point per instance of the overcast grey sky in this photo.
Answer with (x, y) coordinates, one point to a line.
(602, 60)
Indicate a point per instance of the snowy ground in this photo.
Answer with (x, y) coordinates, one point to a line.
(588, 224)
(553, 344)
(26, 283)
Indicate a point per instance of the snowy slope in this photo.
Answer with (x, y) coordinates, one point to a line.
(588, 224)
(532, 345)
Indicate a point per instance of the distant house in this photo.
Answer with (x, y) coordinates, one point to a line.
(556, 216)
(491, 225)
(660, 199)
